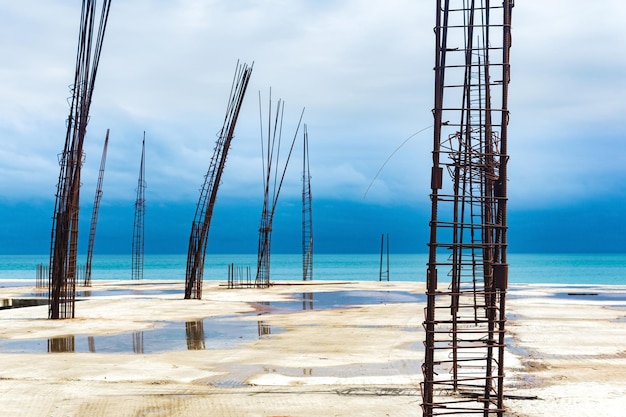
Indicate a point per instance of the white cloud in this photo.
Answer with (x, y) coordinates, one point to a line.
(364, 73)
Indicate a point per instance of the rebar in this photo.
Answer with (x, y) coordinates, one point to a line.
(238, 277)
(204, 210)
(383, 274)
(41, 276)
(64, 235)
(94, 213)
(270, 151)
(465, 313)
(140, 211)
(307, 212)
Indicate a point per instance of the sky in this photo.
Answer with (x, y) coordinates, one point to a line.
(363, 74)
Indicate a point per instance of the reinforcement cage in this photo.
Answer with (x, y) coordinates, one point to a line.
(467, 265)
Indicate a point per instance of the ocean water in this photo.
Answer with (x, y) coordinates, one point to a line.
(605, 269)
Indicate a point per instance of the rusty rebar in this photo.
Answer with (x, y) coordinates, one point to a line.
(307, 212)
(64, 235)
(465, 313)
(140, 213)
(204, 210)
(94, 213)
(270, 151)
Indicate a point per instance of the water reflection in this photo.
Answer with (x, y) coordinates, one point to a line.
(307, 301)
(592, 294)
(6, 303)
(138, 342)
(195, 335)
(61, 344)
(210, 333)
(288, 371)
(387, 368)
(264, 329)
(345, 299)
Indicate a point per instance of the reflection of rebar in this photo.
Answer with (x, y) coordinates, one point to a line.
(91, 344)
(195, 335)
(307, 301)
(264, 328)
(61, 344)
(138, 342)
(464, 348)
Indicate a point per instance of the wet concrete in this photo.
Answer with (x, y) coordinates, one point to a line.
(21, 302)
(210, 333)
(201, 334)
(340, 299)
(591, 295)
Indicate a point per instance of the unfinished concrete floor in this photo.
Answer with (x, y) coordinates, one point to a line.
(318, 349)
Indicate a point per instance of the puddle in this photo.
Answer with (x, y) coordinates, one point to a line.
(339, 299)
(6, 303)
(237, 375)
(17, 283)
(211, 333)
(513, 316)
(118, 292)
(590, 295)
(513, 347)
(30, 299)
(112, 292)
(401, 367)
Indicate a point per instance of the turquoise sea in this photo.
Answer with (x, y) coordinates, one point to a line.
(604, 269)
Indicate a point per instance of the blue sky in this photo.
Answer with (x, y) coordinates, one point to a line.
(364, 75)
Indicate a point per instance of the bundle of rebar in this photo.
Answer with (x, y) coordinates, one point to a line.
(94, 212)
(307, 212)
(140, 213)
(239, 276)
(64, 239)
(270, 151)
(204, 210)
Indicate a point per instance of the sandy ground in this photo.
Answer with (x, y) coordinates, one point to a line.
(572, 351)
(233, 354)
